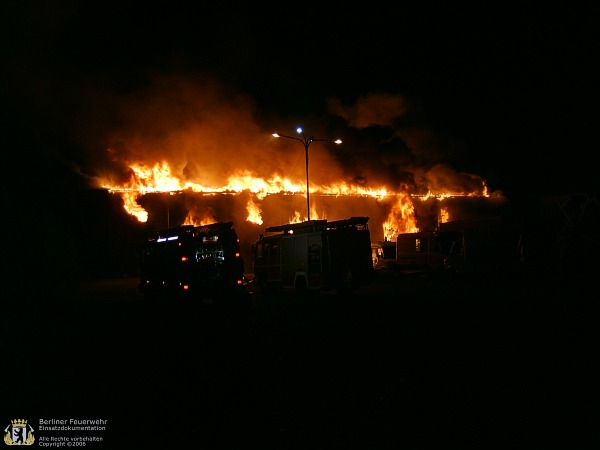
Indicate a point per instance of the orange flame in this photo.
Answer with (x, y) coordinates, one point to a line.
(444, 214)
(159, 178)
(401, 218)
(132, 207)
(254, 213)
(205, 220)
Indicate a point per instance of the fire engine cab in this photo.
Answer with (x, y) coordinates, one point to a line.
(314, 255)
(202, 261)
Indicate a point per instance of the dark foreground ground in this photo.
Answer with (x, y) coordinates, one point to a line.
(410, 362)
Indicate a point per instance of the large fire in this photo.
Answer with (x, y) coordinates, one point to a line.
(194, 151)
(401, 217)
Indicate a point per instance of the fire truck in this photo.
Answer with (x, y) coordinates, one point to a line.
(314, 255)
(420, 251)
(195, 261)
(464, 246)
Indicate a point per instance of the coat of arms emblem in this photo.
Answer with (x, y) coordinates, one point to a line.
(19, 433)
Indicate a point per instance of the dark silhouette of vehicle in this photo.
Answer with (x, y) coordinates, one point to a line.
(195, 262)
(473, 246)
(314, 255)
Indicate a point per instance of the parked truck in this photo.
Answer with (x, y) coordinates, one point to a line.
(485, 245)
(419, 251)
(314, 255)
(195, 261)
(384, 255)
(464, 246)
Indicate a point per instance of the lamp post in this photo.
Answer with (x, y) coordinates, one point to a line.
(306, 141)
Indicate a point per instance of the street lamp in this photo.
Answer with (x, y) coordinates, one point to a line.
(306, 141)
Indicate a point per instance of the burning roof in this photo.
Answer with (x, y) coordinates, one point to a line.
(199, 138)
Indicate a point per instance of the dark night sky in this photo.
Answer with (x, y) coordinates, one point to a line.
(504, 92)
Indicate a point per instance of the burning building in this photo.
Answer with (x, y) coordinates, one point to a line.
(213, 159)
